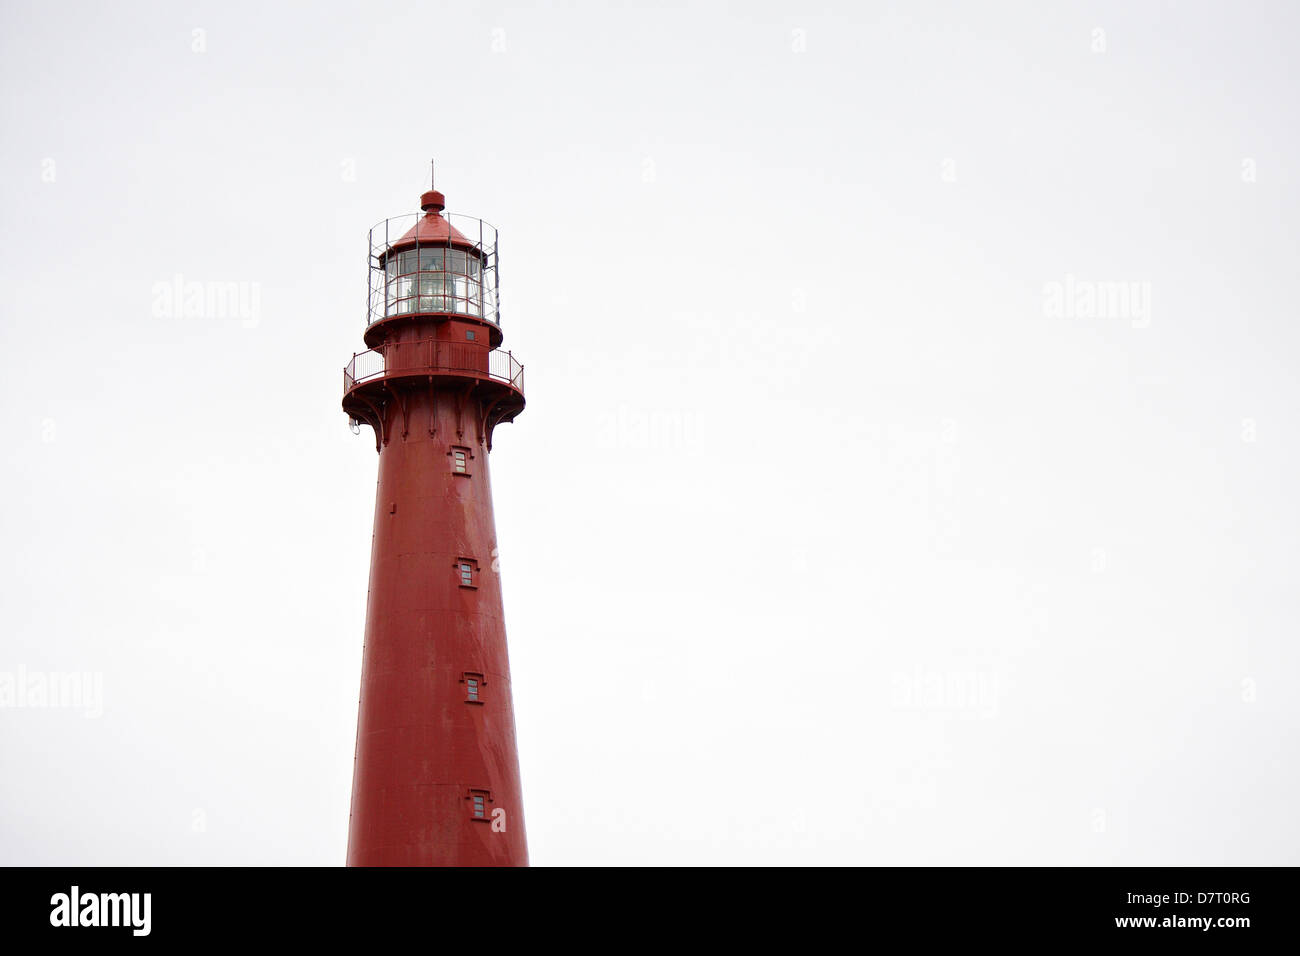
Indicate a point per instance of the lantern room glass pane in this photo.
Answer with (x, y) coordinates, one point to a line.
(435, 280)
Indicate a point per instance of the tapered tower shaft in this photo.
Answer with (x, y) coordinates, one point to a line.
(436, 779)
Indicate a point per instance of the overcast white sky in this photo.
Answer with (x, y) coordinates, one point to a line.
(854, 518)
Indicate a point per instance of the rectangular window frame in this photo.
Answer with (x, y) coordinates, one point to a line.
(468, 457)
(474, 687)
(462, 573)
(479, 809)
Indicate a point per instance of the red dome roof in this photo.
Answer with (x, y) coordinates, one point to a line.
(431, 229)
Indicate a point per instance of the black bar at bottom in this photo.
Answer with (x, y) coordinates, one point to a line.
(973, 906)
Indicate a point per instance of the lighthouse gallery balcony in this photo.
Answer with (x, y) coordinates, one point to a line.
(432, 358)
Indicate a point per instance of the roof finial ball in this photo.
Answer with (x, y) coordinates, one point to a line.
(433, 201)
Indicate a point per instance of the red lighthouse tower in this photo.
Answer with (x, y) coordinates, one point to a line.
(436, 781)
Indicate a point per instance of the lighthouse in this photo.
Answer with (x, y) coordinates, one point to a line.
(436, 776)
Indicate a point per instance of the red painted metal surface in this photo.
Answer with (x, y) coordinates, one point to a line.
(436, 781)
(432, 229)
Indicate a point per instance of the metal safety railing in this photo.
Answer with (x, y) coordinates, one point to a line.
(433, 275)
(430, 356)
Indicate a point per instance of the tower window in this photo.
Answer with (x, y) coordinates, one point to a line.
(469, 335)
(467, 572)
(473, 687)
(478, 804)
(460, 461)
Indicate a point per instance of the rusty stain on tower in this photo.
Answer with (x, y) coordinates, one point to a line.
(436, 781)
